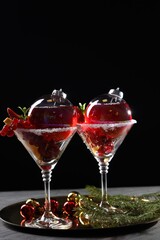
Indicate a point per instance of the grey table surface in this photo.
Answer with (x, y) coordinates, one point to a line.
(10, 197)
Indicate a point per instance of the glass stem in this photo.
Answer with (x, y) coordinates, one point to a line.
(103, 168)
(46, 175)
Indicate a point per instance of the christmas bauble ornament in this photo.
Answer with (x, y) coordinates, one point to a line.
(27, 211)
(73, 196)
(54, 205)
(53, 110)
(68, 208)
(108, 107)
(32, 202)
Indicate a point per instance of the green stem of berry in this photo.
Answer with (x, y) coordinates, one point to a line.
(25, 112)
(82, 107)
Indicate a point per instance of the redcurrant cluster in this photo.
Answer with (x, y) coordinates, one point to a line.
(99, 141)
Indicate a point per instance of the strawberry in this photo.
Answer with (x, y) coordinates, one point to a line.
(80, 112)
(12, 114)
(15, 121)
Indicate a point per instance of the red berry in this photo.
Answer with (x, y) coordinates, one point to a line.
(80, 115)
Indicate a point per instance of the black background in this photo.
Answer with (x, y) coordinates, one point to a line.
(86, 49)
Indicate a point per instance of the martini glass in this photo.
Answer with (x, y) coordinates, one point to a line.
(46, 146)
(103, 140)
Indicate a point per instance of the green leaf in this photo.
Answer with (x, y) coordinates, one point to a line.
(24, 111)
(82, 107)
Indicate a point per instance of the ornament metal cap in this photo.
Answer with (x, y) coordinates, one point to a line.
(58, 97)
(59, 93)
(116, 93)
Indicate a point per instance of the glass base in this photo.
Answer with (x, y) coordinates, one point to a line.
(53, 223)
(102, 217)
(109, 208)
